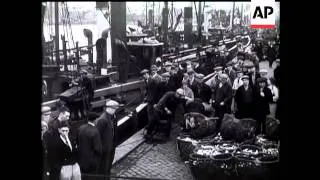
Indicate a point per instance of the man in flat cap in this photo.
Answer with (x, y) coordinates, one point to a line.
(262, 98)
(192, 83)
(276, 73)
(244, 99)
(154, 74)
(167, 66)
(107, 126)
(151, 98)
(168, 105)
(164, 85)
(82, 103)
(230, 72)
(221, 98)
(174, 80)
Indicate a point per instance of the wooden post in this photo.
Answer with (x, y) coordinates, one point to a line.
(64, 46)
(56, 13)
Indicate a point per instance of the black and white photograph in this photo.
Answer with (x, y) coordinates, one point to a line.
(159, 90)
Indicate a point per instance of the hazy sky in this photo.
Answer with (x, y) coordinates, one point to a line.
(139, 7)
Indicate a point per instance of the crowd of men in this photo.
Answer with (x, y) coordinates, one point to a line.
(232, 86)
(213, 85)
(70, 152)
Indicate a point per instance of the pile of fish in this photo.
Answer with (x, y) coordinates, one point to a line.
(213, 150)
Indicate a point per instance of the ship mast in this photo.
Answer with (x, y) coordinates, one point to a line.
(165, 26)
(56, 13)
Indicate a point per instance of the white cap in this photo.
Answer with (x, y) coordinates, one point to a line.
(45, 109)
(112, 103)
(179, 91)
(263, 71)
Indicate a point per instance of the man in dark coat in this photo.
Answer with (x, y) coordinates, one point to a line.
(271, 54)
(262, 98)
(244, 99)
(174, 81)
(89, 147)
(164, 85)
(221, 98)
(276, 73)
(168, 105)
(49, 139)
(107, 125)
(151, 99)
(230, 71)
(192, 83)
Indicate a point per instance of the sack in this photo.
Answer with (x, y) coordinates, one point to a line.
(238, 130)
(272, 128)
(197, 125)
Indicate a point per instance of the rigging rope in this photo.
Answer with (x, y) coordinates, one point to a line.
(68, 37)
(68, 14)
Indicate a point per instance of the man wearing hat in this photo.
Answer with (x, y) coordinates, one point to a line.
(46, 114)
(164, 85)
(83, 103)
(107, 126)
(151, 94)
(263, 73)
(244, 99)
(271, 52)
(174, 79)
(168, 105)
(167, 66)
(238, 80)
(230, 72)
(221, 98)
(276, 73)
(262, 98)
(154, 74)
(192, 83)
(90, 147)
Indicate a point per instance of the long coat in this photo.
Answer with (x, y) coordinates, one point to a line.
(151, 90)
(89, 148)
(261, 103)
(194, 87)
(245, 106)
(105, 124)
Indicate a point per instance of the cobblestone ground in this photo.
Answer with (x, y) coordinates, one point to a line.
(159, 161)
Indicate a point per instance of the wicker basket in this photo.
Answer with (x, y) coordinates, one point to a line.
(223, 167)
(246, 168)
(185, 148)
(200, 166)
(269, 167)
